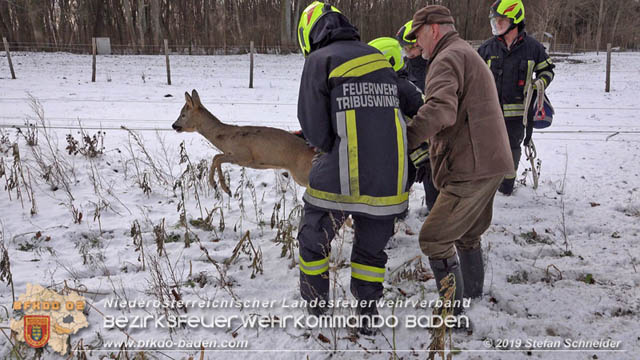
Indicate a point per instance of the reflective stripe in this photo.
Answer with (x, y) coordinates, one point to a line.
(417, 158)
(511, 176)
(489, 63)
(343, 153)
(549, 74)
(507, 107)
(513, 113)
(376, 206)
(367, 273)
(360, 199)
(543, 64)
(352, 145)
(530, 65)
(361, 66)
(402, 161)
(314, 267)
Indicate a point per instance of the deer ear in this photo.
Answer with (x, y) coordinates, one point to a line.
(196, 98)
(188, 99)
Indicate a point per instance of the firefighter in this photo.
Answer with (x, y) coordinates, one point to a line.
(409, 94)
(416, 65)
(417, 70)
(514, 58)
(348, 108)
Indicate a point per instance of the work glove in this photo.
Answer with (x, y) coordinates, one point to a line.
(420, 155)
(528, 133)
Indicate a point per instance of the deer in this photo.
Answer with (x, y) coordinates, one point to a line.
(256, 147)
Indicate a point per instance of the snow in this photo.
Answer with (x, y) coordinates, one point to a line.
(585, 213)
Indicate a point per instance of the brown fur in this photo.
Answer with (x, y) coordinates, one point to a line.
(256, 147)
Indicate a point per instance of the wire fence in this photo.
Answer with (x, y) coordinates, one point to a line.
(180, 49)
(229, 49)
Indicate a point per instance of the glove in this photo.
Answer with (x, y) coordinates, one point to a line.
(528, 133)
(420, 155)
(421, 173)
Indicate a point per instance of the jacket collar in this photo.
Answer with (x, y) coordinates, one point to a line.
(444, 42)
(516, 42)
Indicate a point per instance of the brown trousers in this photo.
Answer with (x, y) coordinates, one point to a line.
(459, 217)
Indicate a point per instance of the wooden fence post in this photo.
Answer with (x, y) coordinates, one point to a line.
(6, 48)
(93, 65)
(251, 66)
(166, 52)
(608, 84)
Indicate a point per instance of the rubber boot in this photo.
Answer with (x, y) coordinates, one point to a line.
(442, 268)
(472, 272)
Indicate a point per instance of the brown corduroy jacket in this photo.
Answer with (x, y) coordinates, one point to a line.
(461, 117)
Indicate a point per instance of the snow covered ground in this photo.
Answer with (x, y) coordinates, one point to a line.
(561, 261)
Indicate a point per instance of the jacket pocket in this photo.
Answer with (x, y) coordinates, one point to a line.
(521, 81)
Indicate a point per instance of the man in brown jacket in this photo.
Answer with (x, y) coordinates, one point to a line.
(468, 148)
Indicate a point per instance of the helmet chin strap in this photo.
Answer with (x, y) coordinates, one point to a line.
(511, 27)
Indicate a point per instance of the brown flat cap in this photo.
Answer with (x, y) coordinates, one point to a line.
(430, 14)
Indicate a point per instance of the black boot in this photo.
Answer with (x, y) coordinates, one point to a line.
(442, 268)
(472, 272)
(506, 187)
(317, 310)
(367, 311)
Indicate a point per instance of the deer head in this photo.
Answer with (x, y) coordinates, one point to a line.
(188, 120)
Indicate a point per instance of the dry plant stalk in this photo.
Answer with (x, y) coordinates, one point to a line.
(245, 245)
(224, 281)
(136, 234)
(441, 336)
(5, 266)
(52, 166)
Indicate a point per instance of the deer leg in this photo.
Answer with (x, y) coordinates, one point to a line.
(217, 164)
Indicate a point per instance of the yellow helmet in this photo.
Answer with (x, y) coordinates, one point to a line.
(512, 9)
(391, 49)
(308, 19)
(401, 35)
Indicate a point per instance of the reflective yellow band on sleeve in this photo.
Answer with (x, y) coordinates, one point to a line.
(543, 64)
(548, 74)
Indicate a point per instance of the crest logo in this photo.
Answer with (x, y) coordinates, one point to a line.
(36, 330)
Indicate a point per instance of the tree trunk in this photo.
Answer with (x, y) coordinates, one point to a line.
(600, 21)
(141, 24)
(285, 22)
(155, 22)
(236, 17)
(98, 27)
(5, 20)
(297, 11)
(615, 23)
(35, 18)
(128, 20)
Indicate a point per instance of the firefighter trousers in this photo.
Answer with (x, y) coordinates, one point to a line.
(368, 258)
